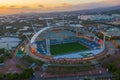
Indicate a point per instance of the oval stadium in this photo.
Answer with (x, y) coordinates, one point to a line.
(66, 43)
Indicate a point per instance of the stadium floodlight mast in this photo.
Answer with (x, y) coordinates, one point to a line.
(48, 25)
(7, 46)
(92, 30)
(27, 37)
(93, 34)
(33, 28)
(48, 40)
(63, 21)
(105, 34)
(48, 46)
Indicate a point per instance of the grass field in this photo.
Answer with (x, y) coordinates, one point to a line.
(66, 48)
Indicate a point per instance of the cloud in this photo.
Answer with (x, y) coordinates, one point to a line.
(40, 6)
(61, 6)
(19, 7)
(12, 6)
(25, 7)
(92, 5)
(65, 6)
(70, 7)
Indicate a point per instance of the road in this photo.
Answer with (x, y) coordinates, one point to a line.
(82, 77)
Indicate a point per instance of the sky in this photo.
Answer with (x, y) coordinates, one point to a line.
(41, 6)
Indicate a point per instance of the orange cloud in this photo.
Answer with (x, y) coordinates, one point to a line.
(61, 6)
(65, 5)
(12, 6)
(8, 11)
(54, 5)
(40, 6)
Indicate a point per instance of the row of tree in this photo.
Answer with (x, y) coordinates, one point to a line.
(25, 75)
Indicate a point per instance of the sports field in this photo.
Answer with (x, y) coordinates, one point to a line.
(67, 48)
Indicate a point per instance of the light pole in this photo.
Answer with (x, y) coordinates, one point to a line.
(33, 28)
(104, 38)
(27, 37)
(7, 46)
(48, 46)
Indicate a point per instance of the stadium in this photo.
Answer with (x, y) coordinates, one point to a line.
(66, 43)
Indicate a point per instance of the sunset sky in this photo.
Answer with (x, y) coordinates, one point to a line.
(17, 6)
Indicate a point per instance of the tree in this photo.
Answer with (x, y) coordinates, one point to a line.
(26, 74)
(111, 67)
(1, 59)
(116, 74)
(86, 78)
(2, 50)
(1, 76)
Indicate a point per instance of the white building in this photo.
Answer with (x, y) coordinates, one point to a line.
(24, 28)
(95, 17)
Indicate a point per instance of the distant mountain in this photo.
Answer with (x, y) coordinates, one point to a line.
(105, 10)
(98, 10)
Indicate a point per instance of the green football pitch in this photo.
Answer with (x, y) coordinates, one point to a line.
(67, 48)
